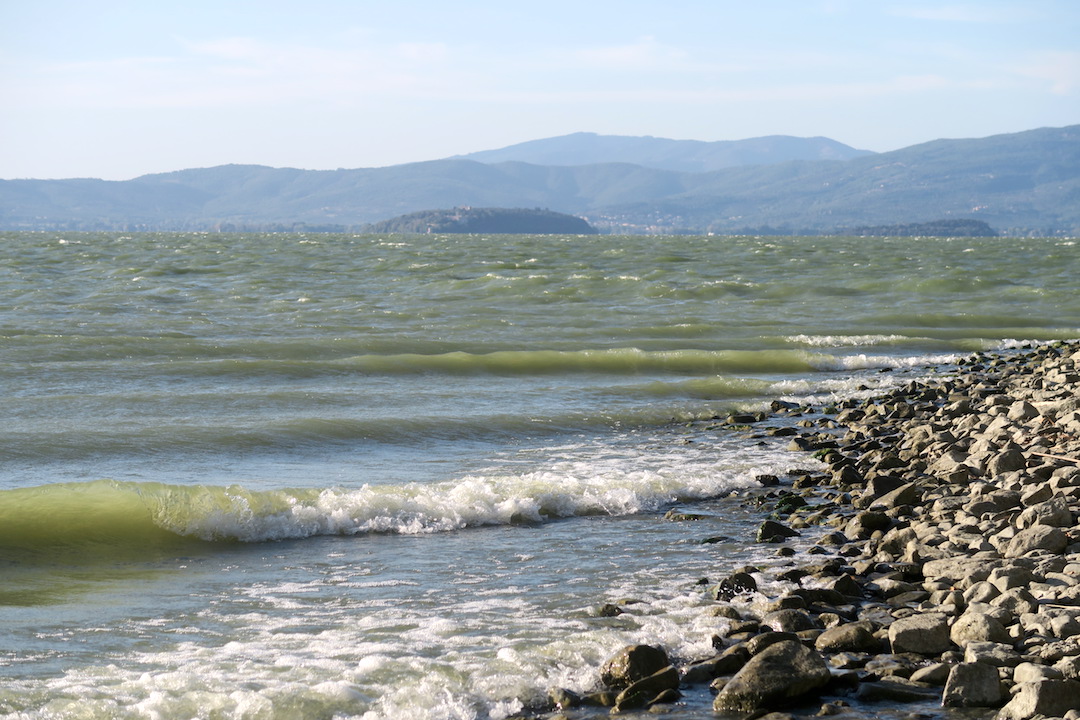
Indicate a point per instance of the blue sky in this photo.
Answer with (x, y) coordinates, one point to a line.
(115, 89)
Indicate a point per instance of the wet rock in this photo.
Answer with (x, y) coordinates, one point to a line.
(972, 685)
(647, 690)
(759, 642)
(736, 584)
(791, 621)
(631, 664)
(771, 531)
(728, 662)
(779, 674)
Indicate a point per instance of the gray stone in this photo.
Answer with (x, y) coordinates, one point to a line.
(978, 627)
(782, 672)
(972, 685)
(759, 642)
(852, 637)
(1054, 512)
(991, 653)
(1005, 462)
(936, 674)
(1050, 698)
(792, 621)
(1037, 537)
(924, 634)
(1017, 601)
(1030, 672)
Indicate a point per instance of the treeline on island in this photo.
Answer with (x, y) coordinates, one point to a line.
(938, 228)
(518, 221)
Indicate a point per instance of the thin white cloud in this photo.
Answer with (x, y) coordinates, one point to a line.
(1059, 70)
(957, 12)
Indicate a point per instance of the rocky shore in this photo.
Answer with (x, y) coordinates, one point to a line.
(946, 565)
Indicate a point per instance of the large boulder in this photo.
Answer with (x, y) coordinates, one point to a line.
(778, 675)
(631, 664)
(972, 685)
(850, 637)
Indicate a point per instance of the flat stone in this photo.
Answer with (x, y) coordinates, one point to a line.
(991, 653)
(1037, 537)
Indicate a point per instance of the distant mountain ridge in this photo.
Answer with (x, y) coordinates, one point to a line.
(1021, 183)
(694, 156)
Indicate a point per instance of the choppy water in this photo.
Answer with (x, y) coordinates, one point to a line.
(278, 476)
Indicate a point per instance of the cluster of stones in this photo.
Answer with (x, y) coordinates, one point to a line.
(946, 565)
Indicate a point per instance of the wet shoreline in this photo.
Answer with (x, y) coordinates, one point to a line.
(945, 574)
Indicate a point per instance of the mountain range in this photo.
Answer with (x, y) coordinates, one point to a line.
(1025, 183)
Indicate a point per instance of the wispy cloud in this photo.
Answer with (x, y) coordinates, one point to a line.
(958, 12)
(1060, 70)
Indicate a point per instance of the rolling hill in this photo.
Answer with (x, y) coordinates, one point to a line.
(1020, 183)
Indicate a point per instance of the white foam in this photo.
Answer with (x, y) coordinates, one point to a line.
(593, 480)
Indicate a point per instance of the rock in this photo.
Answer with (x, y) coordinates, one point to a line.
(728, 662)
(759, 642)
(924, 634)
(978, 627)
(1037, 537)
(1030, 672)
(771, 531)
(779, 674)
(936, 674)
(991, 653)
(1005, 462)
(852, 637)
(737, 584)
(1054, 512)
(562, 698)
(972, 685)
(791, 621)
(631, 664)
(646, 691)
(1050, 698)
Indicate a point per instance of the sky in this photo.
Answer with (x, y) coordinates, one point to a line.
(115, 89)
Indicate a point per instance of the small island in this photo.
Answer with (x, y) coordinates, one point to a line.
(517, 221)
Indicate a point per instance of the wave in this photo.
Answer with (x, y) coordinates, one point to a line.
(113, 521)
